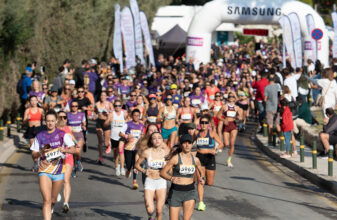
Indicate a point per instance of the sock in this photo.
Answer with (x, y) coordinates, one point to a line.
(229, 159)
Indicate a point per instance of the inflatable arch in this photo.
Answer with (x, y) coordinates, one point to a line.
(217, 12)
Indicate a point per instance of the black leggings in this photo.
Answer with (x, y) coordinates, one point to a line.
(130, 157)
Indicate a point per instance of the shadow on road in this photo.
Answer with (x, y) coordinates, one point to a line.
(117, 215)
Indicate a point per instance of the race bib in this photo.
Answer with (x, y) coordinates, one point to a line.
(217, 108)
(135, 133)
(77, 128)
(187, 169)
(176, 105)
(211, 97)
(152, 119)
(231, 113)
(186, 94)
(157, 164)
(53, 154)
(202, 141)
(186, 117)
(86, 80)
(196, 102)
(117, 123)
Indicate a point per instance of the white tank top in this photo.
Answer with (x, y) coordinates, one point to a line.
(117, 124)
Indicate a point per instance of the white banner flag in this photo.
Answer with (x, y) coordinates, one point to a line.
(312, 44)
(297, 38)
(147, 37)
(117, 40)
(138, 30)
(128, 37)
(334, 47)
(288, 39)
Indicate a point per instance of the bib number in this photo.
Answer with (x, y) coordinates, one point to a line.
(117, 123)
(152, 119)
(211, 97)
(196, 102)
(53, 154)
(202, 141)
(135, 133)
(231, 113)
(187, 169)
(186, 117)
(157, 164)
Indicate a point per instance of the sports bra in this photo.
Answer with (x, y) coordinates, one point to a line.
(155, 164)
(152, 114)
(171, 115)
(205, 142)
(34, 116)
(230, 112)
(183, 170)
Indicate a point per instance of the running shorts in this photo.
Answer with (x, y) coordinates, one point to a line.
(155, 184)
(177, 196)
(53, 177)
(78, 136)
(230, 127)
(70, 160)
(207, 161)
(32, 132)
(167, 132)
(100, 124)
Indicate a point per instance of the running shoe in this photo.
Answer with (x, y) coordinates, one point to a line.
(108, 149)
(79, 166)
(58, 199)
(128, 174)
(323, 155)
(202, 206)
(52, 210)
(118, 170)
(65, 207)
(100, 161)
(73, 173)
(294, 154)
(122, 172)
(285, 155)
(135, 186)
(229, 164)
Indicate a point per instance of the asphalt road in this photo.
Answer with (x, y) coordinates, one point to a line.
(256, 188)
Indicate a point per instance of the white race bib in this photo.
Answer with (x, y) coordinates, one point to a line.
(77, 128)
(196, 102)
(217, 108)
(53, 154)
(186, 117)
(117, 123)
(135, 133)
(202, 141)
(157, 164)
(211, 97)
(187, 169)
(231, 114)
(152, 119)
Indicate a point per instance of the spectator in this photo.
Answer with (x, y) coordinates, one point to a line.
(328, 136)
(303, 85)
(287, 126)
(58, 81)
(291, 81)
(24, 85)
(90, 77)
(271, 93)
(260, 85)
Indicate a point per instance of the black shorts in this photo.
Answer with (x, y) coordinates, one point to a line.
(100, 124)
(32, 132)
(244, 107)
(207, 161)
(332, 139)
(114, 144)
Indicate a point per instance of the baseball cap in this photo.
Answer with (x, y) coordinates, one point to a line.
(93, 61)
(186, 138)
(72, 82)
(204, 107)
(152, 96)
(174, 86)
(29, 69)
(53, 89)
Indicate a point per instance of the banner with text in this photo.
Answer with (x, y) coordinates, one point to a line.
(288, 39)
(128, 37)
(334, 47)
(117, 38)
(297, 38)
(138, 30)
(147, 37)
(312, 44)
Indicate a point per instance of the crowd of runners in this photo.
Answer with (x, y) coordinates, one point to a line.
(166, 122)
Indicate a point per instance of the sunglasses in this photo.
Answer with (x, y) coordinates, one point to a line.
(169, 99)
(67, 89)
(110, 91)
(152, 98)
(158, 94)
(74, 106)
(86, 88)
(132, 95)
(231, 96)
(45, 88)
(63, 117)
(217, 96)
(204, 122)
(117, 106)
(81, 91)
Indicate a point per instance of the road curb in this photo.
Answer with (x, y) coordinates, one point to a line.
(9, 147)
(330, 186)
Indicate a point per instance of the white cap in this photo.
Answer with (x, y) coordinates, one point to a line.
(204, 107)
(72, 82)
(93, 61)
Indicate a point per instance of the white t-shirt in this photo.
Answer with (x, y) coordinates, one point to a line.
(291, 82)
(330, 96)
(67, 141)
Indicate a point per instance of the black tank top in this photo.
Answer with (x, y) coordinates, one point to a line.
(181, 170)
(153, 111)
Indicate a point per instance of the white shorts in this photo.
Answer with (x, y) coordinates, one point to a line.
(155, 184)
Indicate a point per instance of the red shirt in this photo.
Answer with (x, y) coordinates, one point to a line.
(210, 92)
(287, 120)
(260, 86)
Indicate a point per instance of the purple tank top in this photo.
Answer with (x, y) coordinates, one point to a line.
(75, 120)
(135, 129)
(37, 94)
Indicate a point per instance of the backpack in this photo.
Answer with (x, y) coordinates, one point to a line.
(20, 86)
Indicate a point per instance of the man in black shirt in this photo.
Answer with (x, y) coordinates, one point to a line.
(78, 75)
(329, 135)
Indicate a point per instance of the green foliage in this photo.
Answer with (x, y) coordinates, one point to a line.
(244, 39)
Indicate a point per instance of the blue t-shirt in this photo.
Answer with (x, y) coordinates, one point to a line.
(176, 99)
(27, 82)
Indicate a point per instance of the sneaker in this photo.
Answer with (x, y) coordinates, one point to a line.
(294, 154)
(79, 166)
(58, 199)
(52, 210)
(108, 150)
(122, 172)
(65, 207)
(285, 155)
(229, 164)
(135, 186)
(202, 206)
(100, 161)
(128, 174)
(323, 155)
(118, 170)
(73, 173)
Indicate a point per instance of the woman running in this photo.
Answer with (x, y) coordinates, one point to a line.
(103, 109)
(77, 123)
(215, 107)
(167, 115)
(186, 116)
(69, 161)
(133, 133)
(155, 186)
(140, 105)
(182, 192)
(152, 110)
(228, 113)
(36, 90)
(117, 120)
(49, 147)
(206, 148)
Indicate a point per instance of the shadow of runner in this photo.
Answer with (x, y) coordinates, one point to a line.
(117, 215)
(14, 166)
(107, 180)
(13, 204)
